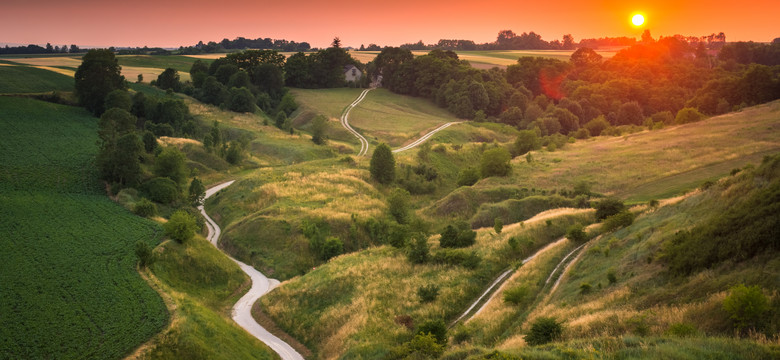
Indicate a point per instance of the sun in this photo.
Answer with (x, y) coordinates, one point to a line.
(638, 20)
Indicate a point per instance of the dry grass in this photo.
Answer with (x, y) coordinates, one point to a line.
(47, 61)
(178, 142)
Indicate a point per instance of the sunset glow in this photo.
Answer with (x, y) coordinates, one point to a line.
(176, 22)
(638, 20)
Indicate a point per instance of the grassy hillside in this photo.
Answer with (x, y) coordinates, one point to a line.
(180, 63)
(490, 58)
(364, 305)
(26, 79)
(650, 301)
(203, 284)
(70, 288)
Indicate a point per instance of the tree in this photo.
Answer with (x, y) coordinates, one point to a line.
(688, 115)
(171, 163)
(150, 141)
(169, 79)
(144, 253)
(145, 208)
(498, 225)
(118, 162)
(424, 346)
(544, 330)
(597, 125)
(576, 233)
(196, 192)
(234, 153)
(318, 127)
(180, 227)
(398, 205)
(199, 66)
(646, 37)
(241, 100)
(495, 162)
(630, 114)
(525, 142)
(419, 252)
(459, 236)
(382, 164)
(98, 75)
(437, 328)
(585, 57)
(336, 42)
(746, 306)
(468, 176)
(126, 163)
(608, 207)
(333, 247)
(118, 99)
(280, 119)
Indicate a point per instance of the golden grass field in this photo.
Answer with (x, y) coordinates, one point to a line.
(55, 63)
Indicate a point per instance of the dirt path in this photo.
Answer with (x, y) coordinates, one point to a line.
(345, 123)
(426, 137)
(364, 143)
(242, 310)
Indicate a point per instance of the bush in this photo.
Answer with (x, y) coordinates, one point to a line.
(682, 330)
(611, 276)
(428, 293)
(181, 226)
(495, 162)
(437, 328)
(544, 330)
(469, 260)
(619, 220)
(516, 295)
(576, 233)
(171, 163)
(398, 205)
(424, 346)
(162, 190)
(382, 165)
(145, 208)
(688, 115)
(453, 237)
(419, 252)
(468, 176)
(608, 207)
(746, 306)
(525, 142)
(585, 288)
(333, 247)
(498, 225)
(145, 253)
(241, 100)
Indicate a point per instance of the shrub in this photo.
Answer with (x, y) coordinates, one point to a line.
(746, 306)
(162, 190)
(333, 247)
(382, 165)
(469, 260)
(619, 220)
(525, 142)
(453, 238)
(145, 208)
(171, 163)
(424, 346)
(419, 252)
(398, 205)
(468, 176)
(544, 330)
(688, 115)
(180, 227)
(145, 253)
(495, 162)
(428, 293)
(608, 207)
(437, 328)
(682, 330)
(585, 288)
(611, 276)
(576, 233)
(516, 295)
(498, 225)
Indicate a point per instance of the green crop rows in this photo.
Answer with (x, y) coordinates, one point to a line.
(68, 287)
(27, 79)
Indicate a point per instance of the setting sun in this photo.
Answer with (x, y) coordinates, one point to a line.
(638, 20)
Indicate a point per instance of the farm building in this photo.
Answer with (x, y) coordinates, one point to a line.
(352, 73)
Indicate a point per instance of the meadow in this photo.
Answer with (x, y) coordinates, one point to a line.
(70, 288)
(485, 59)
(27, 79)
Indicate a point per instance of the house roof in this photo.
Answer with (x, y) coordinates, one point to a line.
(349, 67)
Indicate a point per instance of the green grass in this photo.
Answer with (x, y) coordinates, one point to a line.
(180, 63)
(70, 288)
(26, 79)
(203, 284)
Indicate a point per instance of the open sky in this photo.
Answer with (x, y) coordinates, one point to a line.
(169, 23)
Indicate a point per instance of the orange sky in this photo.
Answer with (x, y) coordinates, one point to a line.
(177, 22)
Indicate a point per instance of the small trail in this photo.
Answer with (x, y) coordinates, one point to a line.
(345, 123)
(242, 310)
(364, 143)
(499, 280)
(426, 137)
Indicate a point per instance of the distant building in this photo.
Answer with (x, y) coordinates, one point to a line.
(352, 73)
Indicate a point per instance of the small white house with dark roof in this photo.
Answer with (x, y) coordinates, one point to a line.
(352, 73)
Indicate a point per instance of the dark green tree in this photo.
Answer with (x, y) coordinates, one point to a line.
(145, 253)
(150, 141)
(608, 207)
(382, 164)
(468, 176)
(526, 141)
(437, 328)
(118, 99)
(196, 192)
(169, 79)
(398, 205)
(495, 162)
(419, 251)
(331, 248)
(544, 330)
(171, 163)
(126, 159)
(181, 227)
(241, 100)
(98, 75)
(318, 127)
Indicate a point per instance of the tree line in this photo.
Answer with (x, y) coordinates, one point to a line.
(35, 49)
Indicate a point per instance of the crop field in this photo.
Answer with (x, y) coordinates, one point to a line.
(70, 289)
(180, 63)
(490, 58)
(26, 79)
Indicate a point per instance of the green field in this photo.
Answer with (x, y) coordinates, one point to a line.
(70, 289)
(180, 63)
(489, 58)
(26, 79)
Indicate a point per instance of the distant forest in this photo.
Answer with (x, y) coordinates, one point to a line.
(35, 49)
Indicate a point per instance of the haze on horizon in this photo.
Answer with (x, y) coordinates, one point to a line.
(183, 23)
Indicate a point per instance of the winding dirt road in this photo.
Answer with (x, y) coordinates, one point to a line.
(364, 143)
(242, 310)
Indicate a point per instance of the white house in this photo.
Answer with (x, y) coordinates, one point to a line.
(352, 73)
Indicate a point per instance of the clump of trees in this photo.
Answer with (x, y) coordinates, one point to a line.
(323, 69)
